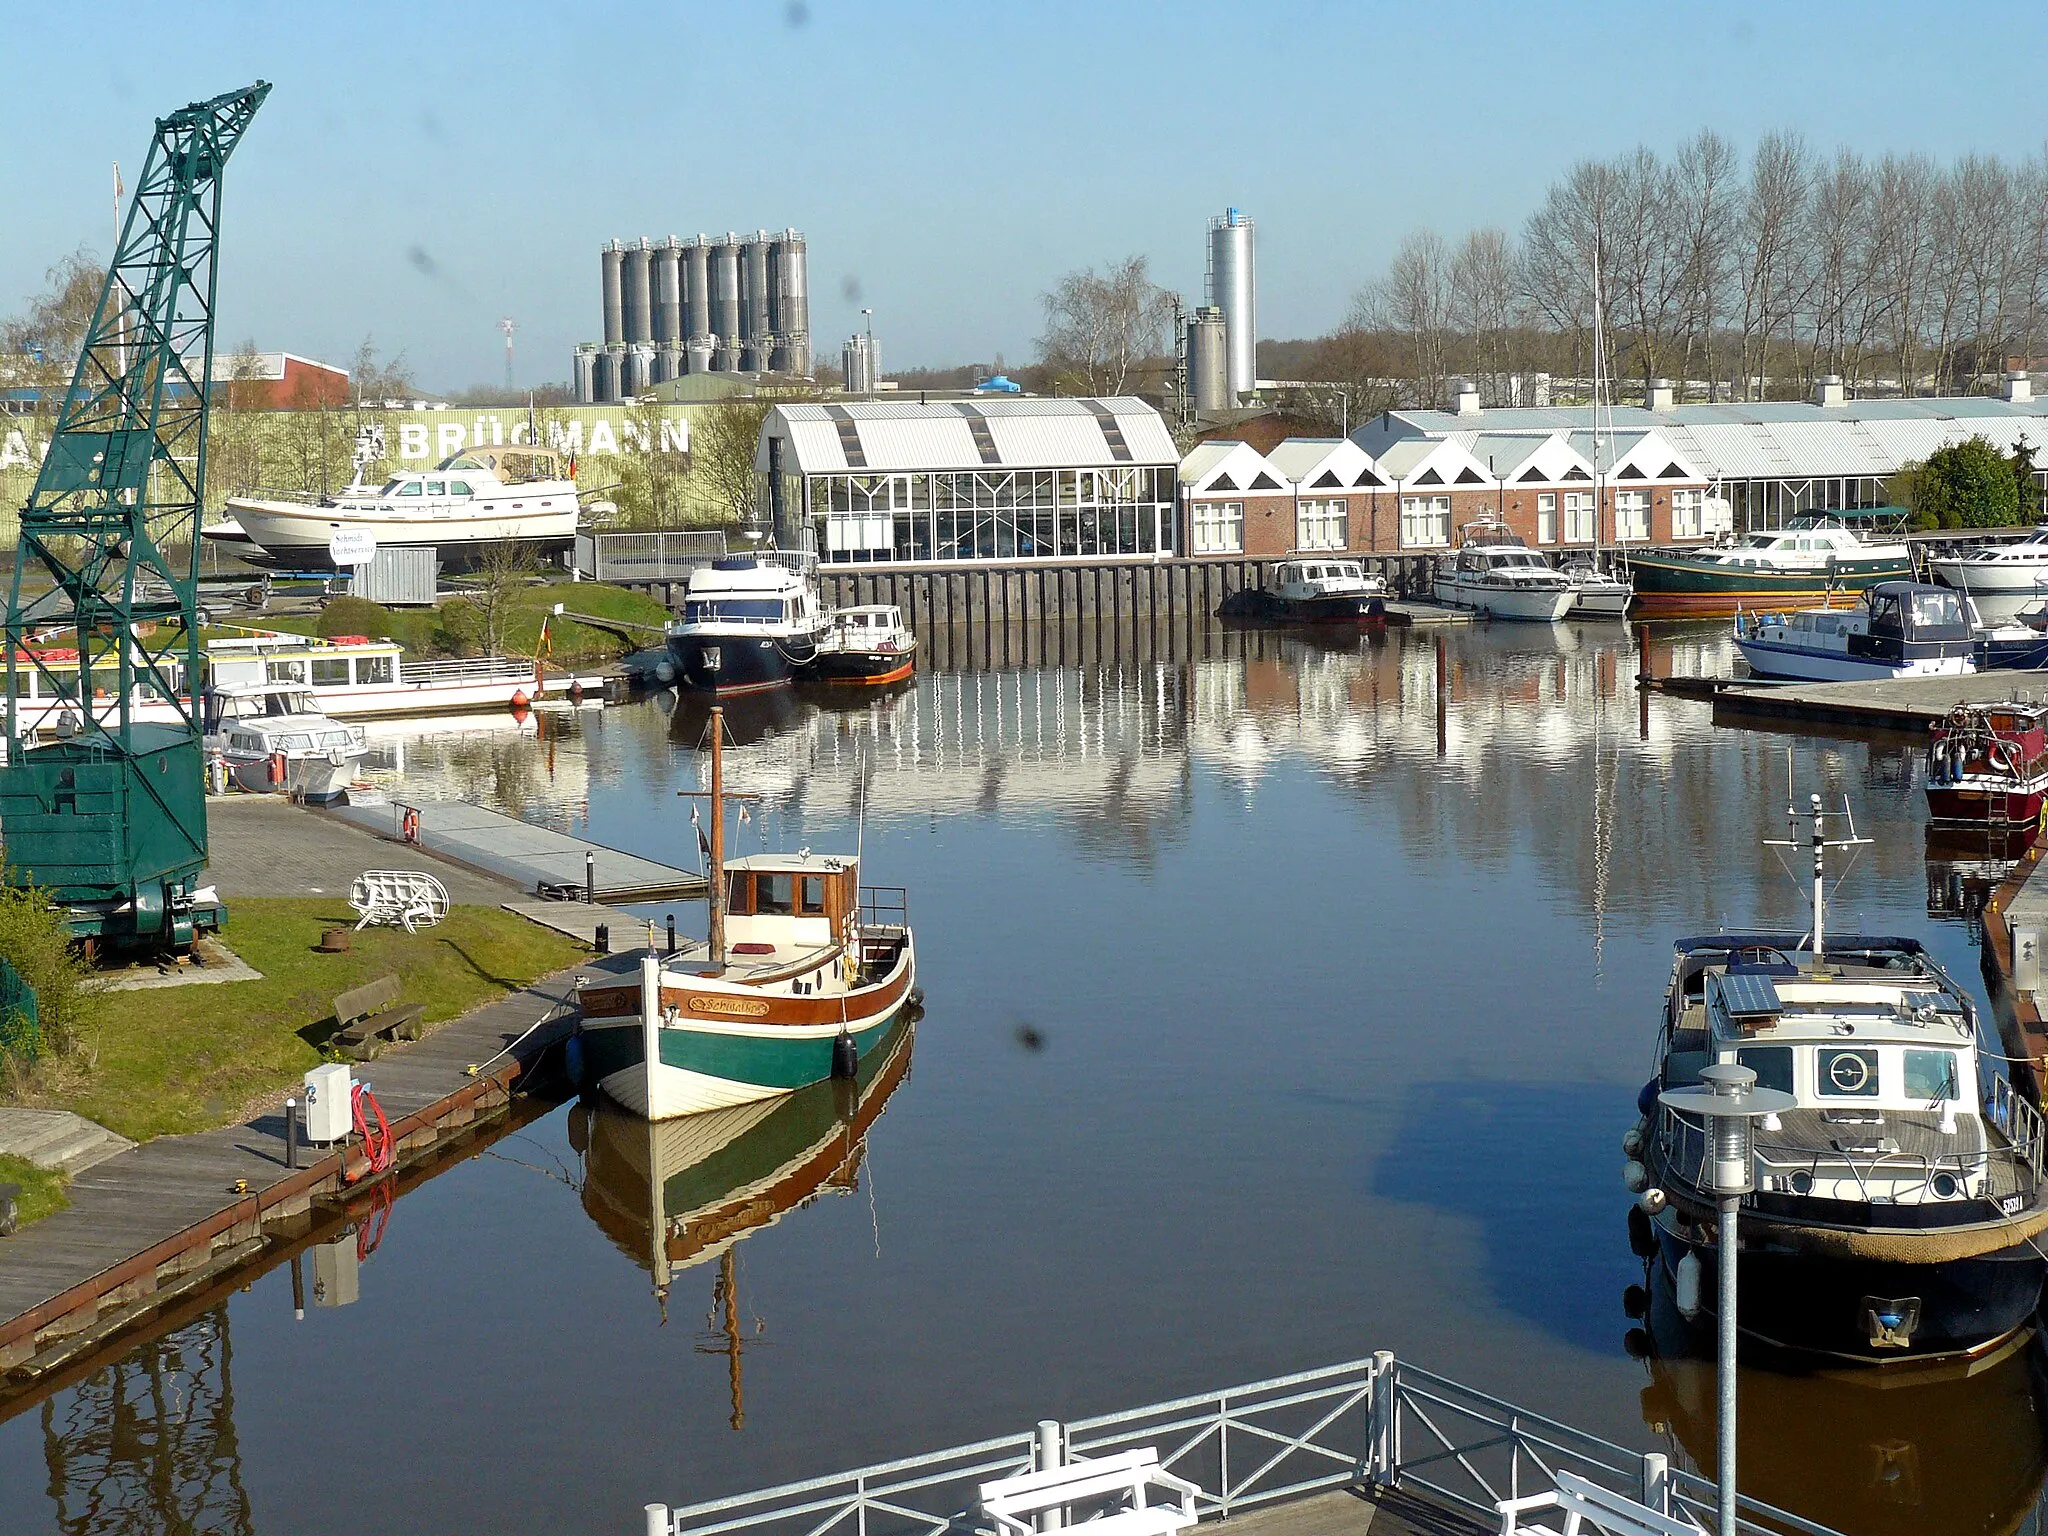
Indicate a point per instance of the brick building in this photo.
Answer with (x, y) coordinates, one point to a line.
(275, 381)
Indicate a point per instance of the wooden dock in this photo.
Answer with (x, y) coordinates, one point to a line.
(1907, 705)
(1363, 1511)
(157, 1221)
(526, 855)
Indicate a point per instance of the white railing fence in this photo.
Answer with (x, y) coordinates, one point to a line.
(1365, 1423)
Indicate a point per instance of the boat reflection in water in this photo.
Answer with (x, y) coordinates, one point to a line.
(1966, 864)
(672, 1194)
(1906, 1451)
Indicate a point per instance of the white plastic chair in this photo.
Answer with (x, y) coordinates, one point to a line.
(408, 898)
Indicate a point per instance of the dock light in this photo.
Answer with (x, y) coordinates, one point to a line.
(1728, 1100)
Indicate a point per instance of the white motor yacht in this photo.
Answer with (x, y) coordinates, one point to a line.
(463, 507)
(1495, 574)
(272, 737)
(2001, 578)
(1899, 629)
(1597, 594)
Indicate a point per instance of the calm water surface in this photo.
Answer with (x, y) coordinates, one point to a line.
(1274, 1017)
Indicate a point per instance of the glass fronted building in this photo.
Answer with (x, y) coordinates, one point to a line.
(1002, 480)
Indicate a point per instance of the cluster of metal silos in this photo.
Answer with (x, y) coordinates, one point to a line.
(1233, 299)
(709, 304)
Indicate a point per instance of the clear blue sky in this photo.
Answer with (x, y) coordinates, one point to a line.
(948, 161)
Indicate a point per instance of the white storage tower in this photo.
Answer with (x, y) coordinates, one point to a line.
(1233, 288)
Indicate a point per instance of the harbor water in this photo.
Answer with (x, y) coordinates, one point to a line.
(1286, 999)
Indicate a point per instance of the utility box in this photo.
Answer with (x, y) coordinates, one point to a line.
(329, 1112)
(403, 576)
(334, 1273)
(2026, 959)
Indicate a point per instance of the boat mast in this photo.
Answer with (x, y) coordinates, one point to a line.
(717, 891)
(1820, 869)
(1599, 397)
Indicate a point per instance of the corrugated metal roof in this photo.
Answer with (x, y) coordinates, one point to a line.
(906, 437)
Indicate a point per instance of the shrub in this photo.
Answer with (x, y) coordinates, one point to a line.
(1965, 485)
(35, 938)
(356, 616)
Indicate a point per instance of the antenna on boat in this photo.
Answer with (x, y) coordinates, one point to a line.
(860, 824)
(1819, 841)
(714, 891)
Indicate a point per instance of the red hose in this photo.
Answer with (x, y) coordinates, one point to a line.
(376, 1145)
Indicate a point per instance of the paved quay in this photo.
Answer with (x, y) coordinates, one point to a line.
(2017, 909)
(153, 1222)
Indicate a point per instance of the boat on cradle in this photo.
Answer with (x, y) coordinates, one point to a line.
(1900, 629)
(747, 624)
(803, 976)
(274, 737)
(357, 678)
(1812, 559)
(463, 508)
(1597, 594)
(2000, 578)
(1498, 576)
(1899, 1203)
(1312, 589)
(1987, 766)
(868, 644)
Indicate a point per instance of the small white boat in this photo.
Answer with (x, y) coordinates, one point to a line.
(357, 678)
(1496, 575)
(1597, 594)
(870, 644)
(2001, 578)
(1900, 629)
(273, 737)
(465, 506)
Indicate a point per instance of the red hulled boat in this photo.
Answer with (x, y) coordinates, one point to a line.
(1988, 766)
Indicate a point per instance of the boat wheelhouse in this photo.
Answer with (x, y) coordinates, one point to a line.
(748, 624)
(274, 737)
(1900, 629)
(1497, 576)
(1810, 560)
(464, 507)
(866, 644)
(1898, 1201)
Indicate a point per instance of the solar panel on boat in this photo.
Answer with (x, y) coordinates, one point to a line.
(1747, 995)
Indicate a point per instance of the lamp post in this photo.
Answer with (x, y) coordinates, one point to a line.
(1727, 1103)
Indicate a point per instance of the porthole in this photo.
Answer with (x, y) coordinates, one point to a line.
(1801, 1182)
(1946, 1186)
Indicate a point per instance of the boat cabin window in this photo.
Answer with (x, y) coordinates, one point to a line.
(437, 487)
(1846, 1074)
(287, 671)
(813, 893)
(374, 669)
(1885, 618)
(1938, 611)
(459, 488)
(1771, 1063)
(775, 894)
(700, 610)
(330, 671)
(410, 488)
(1931, 1076)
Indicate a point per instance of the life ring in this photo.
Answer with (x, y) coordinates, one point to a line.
(277, 769)
(409, 825)
(1998, 756)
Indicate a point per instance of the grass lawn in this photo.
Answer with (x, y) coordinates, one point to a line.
(420, 630)
(42, 1192)
(176, 1059)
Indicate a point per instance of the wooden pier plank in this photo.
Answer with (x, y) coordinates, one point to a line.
(1355, 1512)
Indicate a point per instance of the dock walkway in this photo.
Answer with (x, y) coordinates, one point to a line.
(526, 855)
(1908, 704)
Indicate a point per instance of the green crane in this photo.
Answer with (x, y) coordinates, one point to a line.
(110, 818)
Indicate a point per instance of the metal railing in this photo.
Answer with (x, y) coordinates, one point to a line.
(467, 669)
(884, 906)
(1364, 1423)
(2021, 1122)
(654, 556)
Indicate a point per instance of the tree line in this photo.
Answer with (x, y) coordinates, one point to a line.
(1736, 279)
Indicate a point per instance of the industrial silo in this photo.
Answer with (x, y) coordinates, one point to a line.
(640, 291)
(790, 300)
(585, 364)
(754, 289)
(668, 361)
(699, 351)
(613, 257)
(610, 374)
(725, 293)
(639, 369)
(1233, 288)
(697, 288)
(1208, 360)
(668, 291)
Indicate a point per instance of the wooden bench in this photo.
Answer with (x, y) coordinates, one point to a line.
(370, 1017)
(1587, 1505)
(1123, 1481)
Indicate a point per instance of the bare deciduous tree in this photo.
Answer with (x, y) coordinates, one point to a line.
(1100, 326)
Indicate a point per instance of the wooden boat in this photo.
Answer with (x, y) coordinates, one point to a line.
(1812, 559)
(1900, 1203)
(1987, 766)
(803, 975)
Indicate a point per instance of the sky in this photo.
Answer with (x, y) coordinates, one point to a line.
(422, 170)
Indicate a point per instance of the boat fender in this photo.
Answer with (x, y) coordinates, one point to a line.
(1646, 1100)
(1632, 1140)
(1652, 1200)
(575, 693)
(1635, 1177)
(579, 1126)
(664, 672)
(1686, 1285)
(1635, 1301)
(573, 1066)
(1642, 1237)
(917, 997)
(277, 770)
(845, 1058)
(1638, 1344)
(519, 699)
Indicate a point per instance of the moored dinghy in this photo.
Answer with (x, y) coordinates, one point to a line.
(803, 975)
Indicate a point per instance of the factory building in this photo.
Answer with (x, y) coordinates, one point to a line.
(709, 304)
(1768, 461)
(983, 479)
(274, 381)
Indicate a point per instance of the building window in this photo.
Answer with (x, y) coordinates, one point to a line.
(1323, 525)
(1579, 521)
(1546, 517)
(1632, 516)
(1685, 513)
(1219, 527)
(1425, 521)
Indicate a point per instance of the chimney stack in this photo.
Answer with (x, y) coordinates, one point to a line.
(1465, 397)
(1828, 390)
(1660, 395)
(2019, 387)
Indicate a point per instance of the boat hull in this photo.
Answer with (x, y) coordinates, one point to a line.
(1536, 605)
(1798, 664)
(863, 667)
(1681, 586)
(296, 537)
(317, 780)
(1986, 804)
(1817, 1305)
(1601, 605)
(728, 664)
